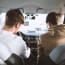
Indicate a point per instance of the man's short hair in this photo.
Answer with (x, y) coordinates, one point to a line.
(13, 16)
(51, 18)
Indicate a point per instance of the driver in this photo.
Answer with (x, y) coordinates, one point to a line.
(14, 19)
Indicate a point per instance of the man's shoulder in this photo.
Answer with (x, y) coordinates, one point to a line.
(17, 37)
(61, 26)
(46, 35)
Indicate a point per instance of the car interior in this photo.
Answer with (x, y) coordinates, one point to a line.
(35, 12)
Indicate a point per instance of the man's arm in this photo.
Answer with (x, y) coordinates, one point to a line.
(26, 50)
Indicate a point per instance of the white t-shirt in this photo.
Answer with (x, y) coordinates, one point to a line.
(58, 54)
(15, 43)
(5, 53)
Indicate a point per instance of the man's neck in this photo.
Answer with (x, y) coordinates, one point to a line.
(9, 29)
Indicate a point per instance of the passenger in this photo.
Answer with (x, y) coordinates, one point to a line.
(14, 18)
(52, 38)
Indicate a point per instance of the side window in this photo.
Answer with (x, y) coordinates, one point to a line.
(2, 19)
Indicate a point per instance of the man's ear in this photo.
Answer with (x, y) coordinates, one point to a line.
(17, 24)
(47, 25)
